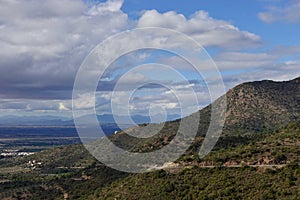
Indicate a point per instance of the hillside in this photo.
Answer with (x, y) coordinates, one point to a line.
(212, 183)
(262, 105)
(254, 107)
(266, 168)
(257, 157)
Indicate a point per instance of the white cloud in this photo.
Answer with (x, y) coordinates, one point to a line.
(62, 107)
(109, 6)
(203, 28)
(242, 60)
(282, 71)
(44, 42)
(288, 13)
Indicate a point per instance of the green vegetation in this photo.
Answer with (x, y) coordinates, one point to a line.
(71, 172)
(259, 149)
(257, 157)
(199, 183)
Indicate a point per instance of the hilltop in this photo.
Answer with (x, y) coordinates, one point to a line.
(253, 107)
(262, 106)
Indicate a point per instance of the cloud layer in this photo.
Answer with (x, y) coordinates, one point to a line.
(43, 44)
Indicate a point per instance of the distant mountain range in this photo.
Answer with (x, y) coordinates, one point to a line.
(12, 120)
(137, 119)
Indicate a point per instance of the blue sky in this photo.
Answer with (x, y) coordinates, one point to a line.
(44, 42)
(243, 14)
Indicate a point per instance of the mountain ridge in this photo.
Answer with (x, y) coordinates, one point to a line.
(236, 169)
(262, 105)
(252, 107)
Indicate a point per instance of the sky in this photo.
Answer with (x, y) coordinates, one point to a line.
(43, 44)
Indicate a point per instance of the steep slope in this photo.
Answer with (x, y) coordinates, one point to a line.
(210, 183)
(262, 105)
(224, 174)
(254, 107)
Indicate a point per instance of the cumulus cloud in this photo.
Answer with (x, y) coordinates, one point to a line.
(203, 28)
(31, 106)
(172, 101)
(43, 44)
(109, 6)
(290, 13)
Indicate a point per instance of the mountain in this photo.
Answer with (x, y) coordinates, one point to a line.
(123, 120)
(266, 168)
(262, 106)
(257, 106)
(253, 107)
(257, 157)
(105, 120)
(12, 120)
